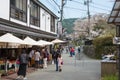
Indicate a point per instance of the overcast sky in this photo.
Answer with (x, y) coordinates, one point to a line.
(77, 9)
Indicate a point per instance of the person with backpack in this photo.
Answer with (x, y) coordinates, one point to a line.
(23, 59)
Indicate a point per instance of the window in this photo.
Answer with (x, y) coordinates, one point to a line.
(34, 14)
(18, 9)
(52, 24)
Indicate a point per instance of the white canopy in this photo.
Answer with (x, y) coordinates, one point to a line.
(43, 42)
(57, 41)
(30, 41)
(10, 41)
(9, 38)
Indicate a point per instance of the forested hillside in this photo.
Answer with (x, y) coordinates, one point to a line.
(69, 24)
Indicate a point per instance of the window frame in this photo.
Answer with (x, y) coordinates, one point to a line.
(52, 23)
(17, 13)
(35, 17)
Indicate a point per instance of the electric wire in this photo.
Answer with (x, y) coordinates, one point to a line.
(90, 5)
(52, 5)
(83, 10)
(56, 4)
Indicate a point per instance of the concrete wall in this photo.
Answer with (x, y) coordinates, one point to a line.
(108, 68)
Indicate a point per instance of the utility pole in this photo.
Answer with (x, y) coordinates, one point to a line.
(88, 13)
(63, 2)
(61, 11)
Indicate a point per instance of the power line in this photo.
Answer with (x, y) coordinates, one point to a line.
(100, 5)
(52, 5)
(79, 9)
(56, 4)
(100, 8)
(75, 8)
(90, 5)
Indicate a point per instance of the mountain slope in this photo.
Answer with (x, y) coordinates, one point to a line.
(69, 24)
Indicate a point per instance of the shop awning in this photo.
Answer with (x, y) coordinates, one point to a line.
(44, 43)
(30, 41)
(115, 13)
(9, 38)
(57, 41)
(10, 41)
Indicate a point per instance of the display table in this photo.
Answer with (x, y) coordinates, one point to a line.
(11, 67)
(8, 67)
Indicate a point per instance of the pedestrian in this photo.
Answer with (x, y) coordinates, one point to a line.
(57, 52)
(37, 58)
(72, 52)
(67, 49)
(44, 58)
(23, 58)
(60, 62)
(31, 54)
(78, 49)
(53, 56)
(41, 60)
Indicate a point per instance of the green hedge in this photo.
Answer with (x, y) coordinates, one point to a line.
(103, 45)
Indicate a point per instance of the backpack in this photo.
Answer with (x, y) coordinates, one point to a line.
(23, 59)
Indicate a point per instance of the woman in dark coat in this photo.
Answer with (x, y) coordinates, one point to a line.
(23, 58)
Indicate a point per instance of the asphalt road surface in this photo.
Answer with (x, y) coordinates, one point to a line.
(73, 69)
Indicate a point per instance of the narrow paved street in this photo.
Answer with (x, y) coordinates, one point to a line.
(83, 69)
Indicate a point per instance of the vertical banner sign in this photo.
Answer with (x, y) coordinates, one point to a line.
(59, 28)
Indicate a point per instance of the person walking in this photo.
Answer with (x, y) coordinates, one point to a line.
(78, 49)
(44, 58)
(60, 62)
(37, 58)
(23, 58)
(31, 54)
(57, 52)
(71, 52)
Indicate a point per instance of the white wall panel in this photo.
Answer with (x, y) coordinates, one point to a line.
(47, 22)
(35, 27)
(4, 9)
(42, 19)
(19, 22)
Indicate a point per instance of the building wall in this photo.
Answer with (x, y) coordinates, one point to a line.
(28, 10)
(4, 9)
(56, 27)
(44, 16)
(47, 22)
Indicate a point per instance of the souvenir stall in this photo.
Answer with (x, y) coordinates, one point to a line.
(9, 50)
(8, 57)
(47, 45)
(57, 43)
